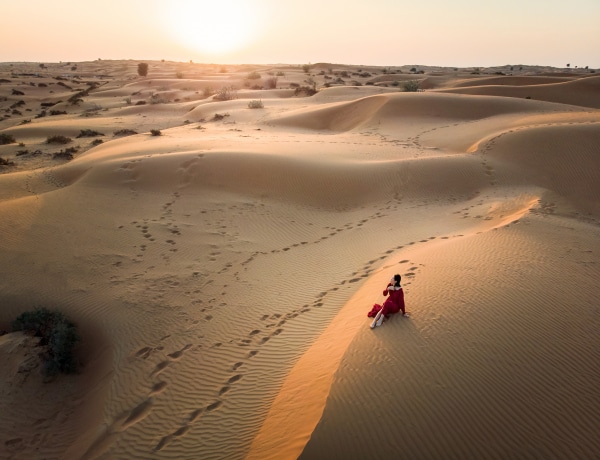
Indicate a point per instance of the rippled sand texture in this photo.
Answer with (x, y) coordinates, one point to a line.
(221, 272)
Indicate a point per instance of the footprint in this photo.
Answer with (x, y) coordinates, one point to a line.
(213, 406)
(224, 390)
(158, 388)
(235, 378)
(144, 352)
(137, 414)
(159, 368)
(194, 415)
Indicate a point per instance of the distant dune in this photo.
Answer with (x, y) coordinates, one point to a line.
(220, 260)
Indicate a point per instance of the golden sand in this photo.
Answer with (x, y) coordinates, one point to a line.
(221, 272)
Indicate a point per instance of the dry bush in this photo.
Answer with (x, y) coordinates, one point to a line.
(255, 104)
(226, 93)
(271, 83)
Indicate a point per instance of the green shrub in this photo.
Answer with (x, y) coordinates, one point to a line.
(411, 86)
(58, 335)
(6, 139)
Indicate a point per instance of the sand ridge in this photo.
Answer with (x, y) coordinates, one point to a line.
(213, 266)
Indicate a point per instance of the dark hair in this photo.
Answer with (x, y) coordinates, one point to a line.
(397, 279)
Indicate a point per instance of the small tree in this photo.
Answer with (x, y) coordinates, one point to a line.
(142, 69)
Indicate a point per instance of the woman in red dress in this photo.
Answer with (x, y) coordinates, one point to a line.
(394, 303)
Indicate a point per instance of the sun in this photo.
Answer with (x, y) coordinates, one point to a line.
(213, 27)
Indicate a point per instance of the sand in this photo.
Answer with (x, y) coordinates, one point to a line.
(221, 272)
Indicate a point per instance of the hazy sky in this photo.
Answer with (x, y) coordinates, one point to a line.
(378, 32)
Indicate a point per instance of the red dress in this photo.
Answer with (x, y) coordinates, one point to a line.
(393, 304)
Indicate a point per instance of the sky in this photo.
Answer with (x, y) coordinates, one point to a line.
(457, 33)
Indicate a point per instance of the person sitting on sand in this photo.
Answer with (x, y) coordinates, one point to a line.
(394, 303)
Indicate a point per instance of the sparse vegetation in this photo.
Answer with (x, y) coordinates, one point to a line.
(89, 133)
(142, 69)
(179, 75)
(226, 93)
(5, 162)
(255, 104)
(155, 132)
(411, 86)
(158, 99)
(125, 132)
(97, 142)
(271, 83)
(58, 335)
(219, 116)
(66, 154)
(253, 76)
(6, 139)
(58, 140)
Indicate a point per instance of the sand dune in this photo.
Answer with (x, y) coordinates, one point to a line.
(221, 272)
(583, 92)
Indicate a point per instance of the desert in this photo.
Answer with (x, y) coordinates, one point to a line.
(218, 234)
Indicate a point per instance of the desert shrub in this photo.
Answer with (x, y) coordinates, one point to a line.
(57, 112)
(255, 104)
(306, 68)
(5, 162)
(58, 335)
(253, 76)
(411, 86)
(125, 132)
(16, 92)
(6, 139)
(226, 93)
(219, 116)
(280, 74)
(179, 75)
(142, 69)
(140, 103)
(127, 100)
(395, 83)
(89, 133)
(305, 91)
(58, 140)
(158, 99)
(66, 154)
(208, 91)
(271, 83)
(155, 132)
(42, 85)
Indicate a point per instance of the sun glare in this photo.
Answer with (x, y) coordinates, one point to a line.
(213, 27)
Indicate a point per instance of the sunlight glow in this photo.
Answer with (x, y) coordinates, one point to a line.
(213, 27)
